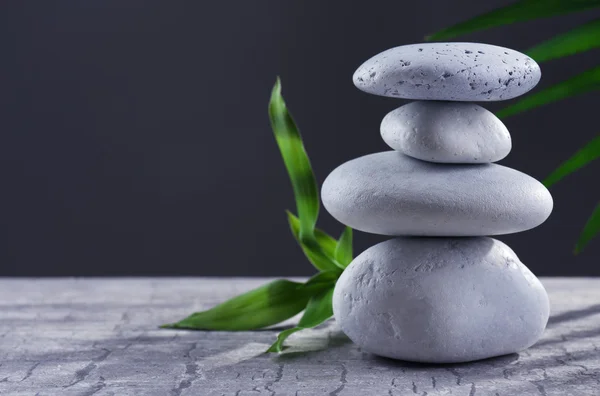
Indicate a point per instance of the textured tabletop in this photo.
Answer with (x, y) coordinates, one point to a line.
(100, 337)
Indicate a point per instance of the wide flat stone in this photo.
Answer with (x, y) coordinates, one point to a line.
(446, 132)
(390, 193)
(75, 337)
(440, 300)
(448, 71)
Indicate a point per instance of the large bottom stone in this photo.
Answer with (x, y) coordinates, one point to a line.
(440, 300)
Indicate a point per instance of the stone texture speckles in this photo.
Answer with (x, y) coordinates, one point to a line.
(392, 194)
(446, 132)
(471, 297)
(440, 300)
(448, 71)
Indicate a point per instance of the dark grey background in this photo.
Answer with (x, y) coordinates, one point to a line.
(134, 136)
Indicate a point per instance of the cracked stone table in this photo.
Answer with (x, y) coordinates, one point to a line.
(100, 337)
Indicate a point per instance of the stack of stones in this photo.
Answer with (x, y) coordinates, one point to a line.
(441, 291)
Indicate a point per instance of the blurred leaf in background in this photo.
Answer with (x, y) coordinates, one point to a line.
(519, 11)
(580, 39)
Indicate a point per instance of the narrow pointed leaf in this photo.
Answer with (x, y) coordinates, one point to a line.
(317, 257)
(296, 162)
(327, 243)
(518, 11)
(580, 39)
(318, 310)
(591, 229)
(584, 82)
(319, 249)
(265, 306)
(343, 251)
(281, 337)
(321, 281)
(587, 154)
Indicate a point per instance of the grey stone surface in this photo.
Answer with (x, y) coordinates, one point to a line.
(440, 300)
(446, 132)
(448, 71)
(98, 337)
(392, 194)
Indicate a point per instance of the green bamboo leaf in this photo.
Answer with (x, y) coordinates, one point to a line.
(322, 280)
(265, 306)
(584, 82)
(320, 260)
(343, 251)
(316, 249)
(318, 310)
(281, 337)
(592, 227)
(587, 154)
(518, 11)
(296, 162)
(327, 243)
(580, 39)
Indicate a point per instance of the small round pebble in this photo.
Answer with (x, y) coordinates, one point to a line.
(391, 193)
(440, 300)
(448, 71)
(446, 132)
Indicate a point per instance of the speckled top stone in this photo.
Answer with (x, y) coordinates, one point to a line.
(448, 71)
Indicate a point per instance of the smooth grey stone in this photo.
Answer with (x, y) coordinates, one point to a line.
(446, 132)
(390, 193)
(440, 300)
(448, 71)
